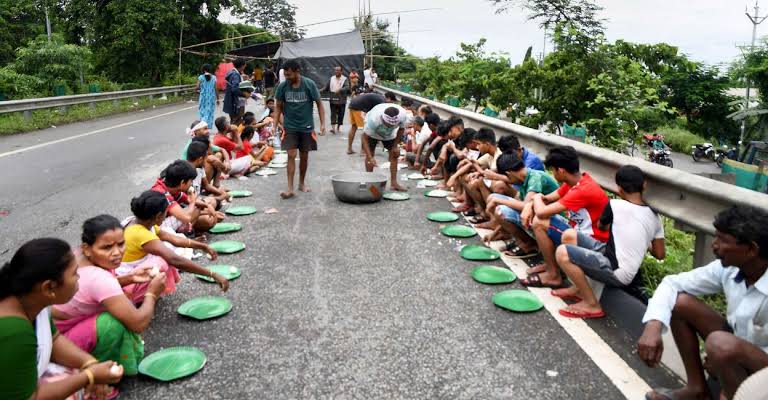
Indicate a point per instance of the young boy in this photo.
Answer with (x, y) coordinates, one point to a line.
(218, 162)
(228, 139)
(261, 155)
(505, 210)
(633, 228)
(198, 150)
(174, 183)
(580, 196)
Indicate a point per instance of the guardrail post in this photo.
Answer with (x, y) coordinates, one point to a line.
(27, 115)
(116, 103)
(702, 249)
(92, 105)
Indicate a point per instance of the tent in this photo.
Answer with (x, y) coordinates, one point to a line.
(317, 56)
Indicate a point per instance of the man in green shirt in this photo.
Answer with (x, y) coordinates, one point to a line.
(505, 210)
(294, 108)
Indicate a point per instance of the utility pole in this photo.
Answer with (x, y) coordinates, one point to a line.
(756, 20)
(47, 21)
(397, 46)
(181, 37)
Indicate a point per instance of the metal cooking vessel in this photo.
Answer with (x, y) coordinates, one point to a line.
(359, 187)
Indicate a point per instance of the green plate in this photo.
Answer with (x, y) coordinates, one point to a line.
(443, 216)
(436, 193)
(240, 193)
(227, 246)
(493, 275)
(518, 301)
(396, 196)
(225, 227)
(172, 363)
(228, 271)
(476, 252)
(241, 210)
(458, 231)
(205, 307)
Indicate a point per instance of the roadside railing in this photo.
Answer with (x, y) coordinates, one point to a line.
(26, 106)
(691, 200)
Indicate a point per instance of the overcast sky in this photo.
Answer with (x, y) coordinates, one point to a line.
(707, 30)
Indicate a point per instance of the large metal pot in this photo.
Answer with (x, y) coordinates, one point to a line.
(359, 187)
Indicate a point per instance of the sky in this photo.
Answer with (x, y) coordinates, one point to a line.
(706, 30)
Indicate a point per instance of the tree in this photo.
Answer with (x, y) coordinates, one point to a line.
(20, 22)
(389, 59)
(54, 62)
(581, 14)
(276, 16)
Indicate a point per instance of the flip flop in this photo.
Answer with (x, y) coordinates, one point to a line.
(566, 297)
(462, 208)
(477, 220)
(582, 315)
(535, 281)
(517, 252)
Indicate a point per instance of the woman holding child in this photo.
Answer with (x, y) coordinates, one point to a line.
(42, 273)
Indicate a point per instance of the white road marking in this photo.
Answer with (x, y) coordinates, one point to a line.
(66, 139)
(626, 380)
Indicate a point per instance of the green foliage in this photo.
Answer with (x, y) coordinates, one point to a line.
(15, 86)
(54, 62)
(277, 16)
(582, 14)
(20, 21)
(679, 139)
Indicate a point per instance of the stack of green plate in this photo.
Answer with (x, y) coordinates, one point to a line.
(172, 363)
(206, 307)
(225, 227)
(227, 271)
(241, 210)
(396, 196)
(458, 231)
(227, 246)
(240, 193)
(518, 301)
(475, 252)
(437, 193)
(492, 275)
(443, 216)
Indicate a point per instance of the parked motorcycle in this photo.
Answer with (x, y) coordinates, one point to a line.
(731, 153)
(704, 150)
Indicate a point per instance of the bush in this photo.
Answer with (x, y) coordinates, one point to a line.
(15, 86)
(680, 140)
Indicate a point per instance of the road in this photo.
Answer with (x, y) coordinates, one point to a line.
(335, 301)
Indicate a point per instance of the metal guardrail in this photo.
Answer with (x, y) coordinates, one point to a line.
(687, 198)
(28, 105)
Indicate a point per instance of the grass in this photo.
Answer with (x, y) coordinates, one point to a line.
(680, 140)
(12, 123)
(680, 247)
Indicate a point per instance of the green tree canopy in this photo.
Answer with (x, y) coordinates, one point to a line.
(276, 16)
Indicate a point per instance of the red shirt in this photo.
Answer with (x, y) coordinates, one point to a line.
(225, 143)
(245, 151)
(173, 201)
(585, 203)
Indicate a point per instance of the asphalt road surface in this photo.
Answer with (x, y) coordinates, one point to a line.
(335, 300)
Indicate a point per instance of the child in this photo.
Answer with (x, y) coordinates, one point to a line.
(262, 154)
(228, 139)
(197, 154)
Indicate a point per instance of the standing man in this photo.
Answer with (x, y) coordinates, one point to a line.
(370, 78)
(360, 105)
(338, 87)
(270, 79)
(256, 79)
(232, 92)
(385, 123)
(294, 108)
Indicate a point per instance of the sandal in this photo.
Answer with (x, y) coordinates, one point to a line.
(517, 252)
(470, 213)
(566, 297)
(534, 281)
(461, 209)
(477, 220)
(573, 313)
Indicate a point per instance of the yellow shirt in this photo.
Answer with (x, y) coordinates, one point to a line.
(137, 236)
(258, 74)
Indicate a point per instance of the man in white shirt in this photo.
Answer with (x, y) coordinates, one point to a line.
(370, 77)
(632, 228)
(338, 89)
(736, 345)
(385, 123)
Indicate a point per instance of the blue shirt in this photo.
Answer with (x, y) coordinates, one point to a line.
(532, 161)
(232, 93)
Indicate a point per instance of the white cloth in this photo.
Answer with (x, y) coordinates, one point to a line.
(370, 78)
(44, 340)
(747, 310)
(337, 83)
(197, 183)
(633, 228)
(424, 134)
(281, 75)
(241, 165)
(375, 127)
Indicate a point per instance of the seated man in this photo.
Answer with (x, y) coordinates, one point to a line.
(736, 346)
(579, 195)
(475, 182)
(505, 210)
(228, 139)
(185, 212)
(441, 150)
(493, 182)
(385, 123)
(198, 151)
(217, 163)
(633, 227)
(426, 135)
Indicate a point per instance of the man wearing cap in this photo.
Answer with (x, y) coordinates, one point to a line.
(232, 92)
(385, 123)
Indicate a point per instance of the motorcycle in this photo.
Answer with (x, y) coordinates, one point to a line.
(661, 157)
(704, 150)
(726, 152)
